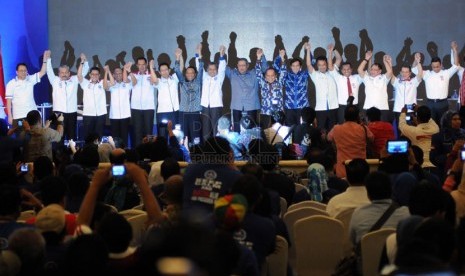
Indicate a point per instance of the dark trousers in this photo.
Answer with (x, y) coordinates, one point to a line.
(437, 109)
(237, 115)
(142, 122)
(326, 119)
(191, 125)
(340, 114)
(69, 126)
(210, 116)
(92, 124)
(119, 128)
(163, 118)
(292, 116)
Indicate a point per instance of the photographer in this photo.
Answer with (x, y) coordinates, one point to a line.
(41, 138)
(421, 132)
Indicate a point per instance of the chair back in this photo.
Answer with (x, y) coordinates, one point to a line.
(138, 226)
(276, 262)
(372, 245)
(345, 217)
(307, 203)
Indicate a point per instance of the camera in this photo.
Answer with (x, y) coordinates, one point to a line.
(20, 123)
(118, 170)
(408, 118)
(104, 139)
(24, 167)
(66, 143)
(410, 107)
(394, 147)
(462, 154)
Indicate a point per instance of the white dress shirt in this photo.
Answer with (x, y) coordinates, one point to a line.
(212, 93)
(94, 99)
(376, 91)
(168, 95)
(437, 84)
(64, 92)
(405, 92)
(21, 93)
(120, 105)
(343, 89)
(325, 90)
(143, 93)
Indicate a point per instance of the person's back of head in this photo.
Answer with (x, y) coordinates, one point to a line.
(356, 171)
(173, 190)
(373, 114)
(29, 245)
(224, 123)
(159, 149)
(351, 113)
(423, 114)
(33, 118)
(116, 232)
(77, 185)
(278, 117)
(229, 211)
(104, 151)
(308, 115)
(426, 200)
(43, 167)
(118, 157)
(89, 157)
(378, 185)
(264, 154)
(10, 201)
(249, 187)
(169, 167)
(217, 148)
(440, 237)
(91, 138)
(52, 190)
(86, 255)
(253, 169)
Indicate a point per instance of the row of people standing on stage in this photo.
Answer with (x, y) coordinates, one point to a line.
(199, 104)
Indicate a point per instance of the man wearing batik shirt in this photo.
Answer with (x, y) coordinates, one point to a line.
(295, 82)
(271, 90)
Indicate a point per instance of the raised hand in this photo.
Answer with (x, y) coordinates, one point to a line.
(387, 59)
(408, 41)
(418, 57)
(198, 49)
(282, 53)
(127, 67)
(259, 53)
(222, 50)
(368, 55)
(47, 54)
(454, 45)
(83, 58)
(106, 68)
(178, 53)
(331, 47)
(307, 46)
(152, 63)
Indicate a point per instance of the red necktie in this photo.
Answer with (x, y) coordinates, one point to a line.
(462, 90)
(349, 87)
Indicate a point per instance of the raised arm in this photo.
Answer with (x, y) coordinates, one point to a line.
(86, 211)
(179, 64)
(419, 67)
(258, 67)
(43, 69)
(199, 63)
(455, 57)
(330, 57)
(50, 73)
(387, 60)
(361, 67)
(79, 72)
(153, 76)
(338, 58)
(308, 48)
(128, 76)
(222, 63)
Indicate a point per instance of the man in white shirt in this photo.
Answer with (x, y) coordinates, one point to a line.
(143, 101)
(347, 84)
(212, 95)
(405, 87)
(325, 89)
(168, 95)
(356, 194)
(65, 94)
(376, 84)
(437, 84)
(20, 92)
(93, 100)
(120, 110)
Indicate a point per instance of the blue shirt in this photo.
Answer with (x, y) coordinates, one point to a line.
(190, 90)
(244, 88)
(271, 93)
(295, 85)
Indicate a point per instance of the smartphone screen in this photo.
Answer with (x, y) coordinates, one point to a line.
(24, 168)
(397, 147)
(118, 170)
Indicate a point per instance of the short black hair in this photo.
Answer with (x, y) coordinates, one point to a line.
(193, 68)
(405, 65)
(378, 185)
(296, 60)
(423, 114)
(308, 114)
(169, 167)
(379, 65)
(351, 113)
(248, 186)
(357, 170)
(116, 231)
(278, 117)
(165, 64)
(216, 146)
(95, 68)
(52, 190)
(346, 63)
(373, 114)
(33, 117)
(323, 58)
(141, 58)
(43, 167)
(20, 64)
(436, 59)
